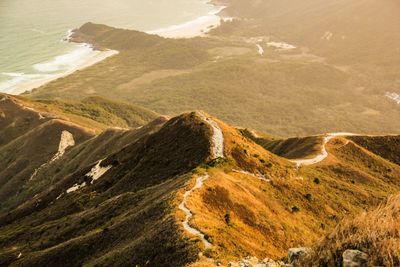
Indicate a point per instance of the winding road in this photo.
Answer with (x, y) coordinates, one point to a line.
(324, 153)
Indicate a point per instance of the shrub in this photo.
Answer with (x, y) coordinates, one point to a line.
(308, 196)
(228, 217)
(295, 209)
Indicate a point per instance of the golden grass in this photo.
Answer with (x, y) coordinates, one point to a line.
(262, 221)
(376, 232)
(260, 224)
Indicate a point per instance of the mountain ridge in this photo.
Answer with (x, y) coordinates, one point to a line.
(122, 177)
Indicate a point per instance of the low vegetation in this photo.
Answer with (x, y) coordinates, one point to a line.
(93, 112)
(253, 203)
(387, 147)
(291, 148)
(375, 232)
(259, 204)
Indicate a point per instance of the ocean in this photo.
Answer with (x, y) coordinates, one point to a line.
(31, 31)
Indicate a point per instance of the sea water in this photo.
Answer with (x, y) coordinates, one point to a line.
(31, 31)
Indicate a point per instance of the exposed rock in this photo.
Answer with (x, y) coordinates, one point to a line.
(254, 262)
(295, 254)
(270, 263)
(354, 258)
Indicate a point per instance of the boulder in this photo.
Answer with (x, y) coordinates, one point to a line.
(355, 258)
(295, 254)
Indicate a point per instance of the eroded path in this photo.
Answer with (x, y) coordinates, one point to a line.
(217, 138)
(199, 183)
(66, 140)
(217, 151)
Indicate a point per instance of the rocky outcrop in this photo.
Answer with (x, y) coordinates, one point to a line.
(354, 258)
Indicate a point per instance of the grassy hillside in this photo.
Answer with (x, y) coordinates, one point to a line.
(253, 203)
(95, 112)
(291, 148)
(243, 214)
(298, 92)
(384, 146)
(106, 112)
(114, 197)
(56, 224)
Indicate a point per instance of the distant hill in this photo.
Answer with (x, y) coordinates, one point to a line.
(95, 112)
(160, 194)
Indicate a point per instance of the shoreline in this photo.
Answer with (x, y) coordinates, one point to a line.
(93, 59)
(198, 27)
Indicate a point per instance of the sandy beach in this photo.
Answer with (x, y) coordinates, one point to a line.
(30, 85)
(194, 28)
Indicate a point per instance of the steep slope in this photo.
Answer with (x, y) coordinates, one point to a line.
(36, 133)
(16, 119)
(29, 141)
(261, 206)
(101, 190)
(23, 157)
(190, 189)
(385, 146)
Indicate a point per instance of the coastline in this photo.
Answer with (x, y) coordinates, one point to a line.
(198, 27)
(195, 28)
(97, 56)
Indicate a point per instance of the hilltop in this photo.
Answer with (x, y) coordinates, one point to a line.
(94, 112)
(161, 194)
